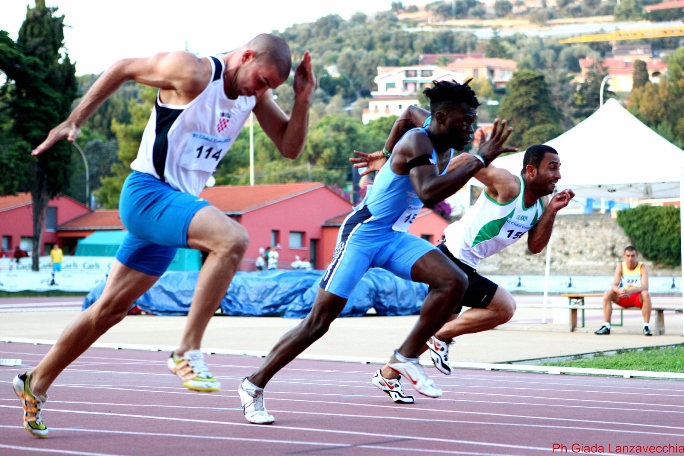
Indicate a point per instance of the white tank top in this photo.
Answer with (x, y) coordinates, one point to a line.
(489, 227)
(182, 145)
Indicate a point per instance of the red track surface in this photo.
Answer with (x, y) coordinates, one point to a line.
(127, 403)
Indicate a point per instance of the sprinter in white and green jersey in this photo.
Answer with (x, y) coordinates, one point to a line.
(509, 207)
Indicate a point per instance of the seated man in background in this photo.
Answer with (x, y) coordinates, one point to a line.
(630, 289)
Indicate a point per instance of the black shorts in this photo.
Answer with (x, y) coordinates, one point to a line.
(480, 291)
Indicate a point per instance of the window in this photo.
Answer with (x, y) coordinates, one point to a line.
(275, 238)
(296, 240)
(426, 73)
(476, 73)
(411, 73)
(7, 243)
(390, 85)
(26, 243)
(51, 220)
(427, 237)
(399, 106)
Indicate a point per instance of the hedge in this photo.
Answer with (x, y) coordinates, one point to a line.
(655, 231)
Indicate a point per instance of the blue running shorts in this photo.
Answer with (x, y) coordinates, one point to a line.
(358, 251)
(157, 218)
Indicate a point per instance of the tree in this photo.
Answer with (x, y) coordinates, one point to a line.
(502, 8)
(496, 48)
(640, 74)
(129, 137)
(43, 88)
(628, 10)
(527, 105)
(588, 95)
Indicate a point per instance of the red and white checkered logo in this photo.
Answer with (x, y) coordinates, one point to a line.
(222, 124)
(223, 121)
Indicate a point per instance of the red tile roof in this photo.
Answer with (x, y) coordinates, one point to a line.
(13, 201)
(665, 5)
(238, 199)
(98, 220)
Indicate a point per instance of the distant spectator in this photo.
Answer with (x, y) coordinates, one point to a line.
(273, 259)
(297, 263)
(19, 253)
(261, 260)
(630, 289)
(56, 256)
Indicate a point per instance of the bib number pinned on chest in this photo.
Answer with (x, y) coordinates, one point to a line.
(203, 152)
(512, 231)
(405, 219)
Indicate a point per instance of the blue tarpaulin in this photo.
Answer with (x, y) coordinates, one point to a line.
(288, 294)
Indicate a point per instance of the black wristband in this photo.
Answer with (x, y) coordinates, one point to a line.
(484, 160)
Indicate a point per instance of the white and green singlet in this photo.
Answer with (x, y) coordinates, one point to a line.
(489, 227)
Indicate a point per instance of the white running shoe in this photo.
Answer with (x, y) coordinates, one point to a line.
(413, 371)
(252, 399)
(392, 387)
(193, 372)
(33, 406)
(439, 352)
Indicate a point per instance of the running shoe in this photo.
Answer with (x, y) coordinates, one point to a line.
(439, 352)
(647, 331)
(392, 387)
(603, 331)
(413, 371)
(253, 407)
(33, 406)
(193, 372)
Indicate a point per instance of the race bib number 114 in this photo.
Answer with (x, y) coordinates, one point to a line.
(203, 152)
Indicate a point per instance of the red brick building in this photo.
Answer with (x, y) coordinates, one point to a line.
(16, 221)
(290, 216)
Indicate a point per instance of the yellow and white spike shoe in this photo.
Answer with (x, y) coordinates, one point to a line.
(193, 372)
(33, 406)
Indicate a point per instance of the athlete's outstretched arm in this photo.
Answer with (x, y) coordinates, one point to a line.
(289, 135)
(538, 237)
(179, 73)
(433, 188)
(499, 183)
(412, 117)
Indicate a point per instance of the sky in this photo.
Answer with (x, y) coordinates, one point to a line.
(99, 33)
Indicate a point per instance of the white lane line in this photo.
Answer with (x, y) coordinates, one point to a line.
(635, 426)
(373, 360)
(51, 309)
(257, 441)
(48, 450)
(40, 304)
(301, 429)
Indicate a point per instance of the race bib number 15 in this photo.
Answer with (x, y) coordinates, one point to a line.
(203, 152)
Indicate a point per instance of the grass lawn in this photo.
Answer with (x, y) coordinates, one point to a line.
(656, 359)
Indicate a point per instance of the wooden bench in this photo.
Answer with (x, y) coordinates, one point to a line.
(576, 302)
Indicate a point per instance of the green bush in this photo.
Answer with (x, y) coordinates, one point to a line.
(655, 231)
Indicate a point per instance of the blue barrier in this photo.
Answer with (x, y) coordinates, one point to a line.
(288, 294)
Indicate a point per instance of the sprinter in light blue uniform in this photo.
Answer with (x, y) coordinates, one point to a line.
(375, 235)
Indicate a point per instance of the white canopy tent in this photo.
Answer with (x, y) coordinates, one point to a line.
(611, 154)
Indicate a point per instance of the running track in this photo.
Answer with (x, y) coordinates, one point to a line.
(126, 403)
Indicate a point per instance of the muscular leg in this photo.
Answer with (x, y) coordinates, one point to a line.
(448, 285)
(609, 297)
(646, 306)
(326, 308)
(124, 286)
(226, 242)
(499, 311)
